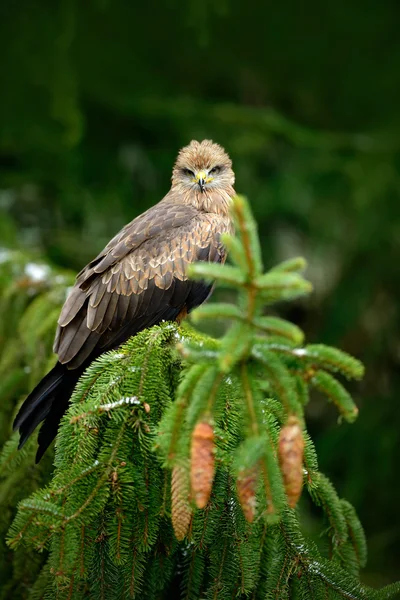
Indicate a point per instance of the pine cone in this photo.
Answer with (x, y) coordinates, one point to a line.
(180, 507)
(246, 486)
(202, 463)
(290, 451)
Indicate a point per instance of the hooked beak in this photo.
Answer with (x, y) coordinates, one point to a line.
(201, 180)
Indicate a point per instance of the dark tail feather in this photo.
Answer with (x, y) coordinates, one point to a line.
(48, 402)
(35, 400)
(48, 430)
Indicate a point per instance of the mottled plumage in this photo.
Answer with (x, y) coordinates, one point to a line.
(138, 280)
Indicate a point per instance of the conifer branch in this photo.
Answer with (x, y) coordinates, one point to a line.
(117, 515)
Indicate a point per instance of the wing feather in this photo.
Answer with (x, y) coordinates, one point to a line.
(72, 306)
(84, 351)
(95, 315)
(121, 311)
(97, 294)
(73, 337)
(109, 313)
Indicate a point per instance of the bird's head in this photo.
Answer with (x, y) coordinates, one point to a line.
(203, 166)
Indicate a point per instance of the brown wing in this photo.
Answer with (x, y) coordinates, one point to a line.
(161, 217)
(138, 280)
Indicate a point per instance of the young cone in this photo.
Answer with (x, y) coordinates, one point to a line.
(181, 513)
(246, 488)
(202, 465)
(291, 450)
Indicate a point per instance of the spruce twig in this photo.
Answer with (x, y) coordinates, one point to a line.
(114, 525)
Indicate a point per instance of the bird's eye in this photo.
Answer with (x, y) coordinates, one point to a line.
(188, 172)
(214, 171)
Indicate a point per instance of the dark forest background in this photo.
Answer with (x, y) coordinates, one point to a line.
(97, 97)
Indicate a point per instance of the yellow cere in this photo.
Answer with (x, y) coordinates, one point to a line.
(202, 175)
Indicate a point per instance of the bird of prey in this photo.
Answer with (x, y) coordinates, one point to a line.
(138, 280)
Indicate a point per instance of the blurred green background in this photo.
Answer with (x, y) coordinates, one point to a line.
(97, 97)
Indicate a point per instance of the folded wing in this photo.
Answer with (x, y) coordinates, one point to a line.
(139, 280)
